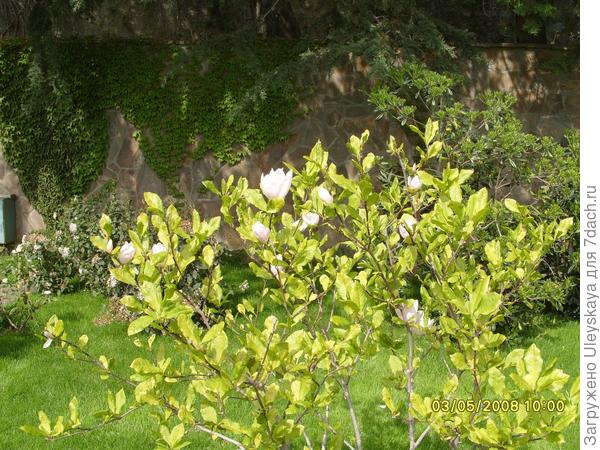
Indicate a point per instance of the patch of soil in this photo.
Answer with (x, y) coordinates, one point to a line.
(114, 312)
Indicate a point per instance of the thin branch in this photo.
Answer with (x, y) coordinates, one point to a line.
(220, 436)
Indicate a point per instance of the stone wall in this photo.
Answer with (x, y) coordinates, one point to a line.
(547, 103)
(28, 219)
(547, 100)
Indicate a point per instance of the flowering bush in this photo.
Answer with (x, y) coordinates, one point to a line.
(62, 258)
(407, 265)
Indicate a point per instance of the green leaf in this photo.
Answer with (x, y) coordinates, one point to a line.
(106, 226)
(368, 162)
(396, 365)
(563, 227)
(493, 252)
(533, 362)
(431, 129)
(154, 202)
(496, 380)
(476, 205)
(388, 400)
(458, 359)
(119, 401)
(214, 331)
(208, 255)
(139, 324)
(209, 414)
(124, 275)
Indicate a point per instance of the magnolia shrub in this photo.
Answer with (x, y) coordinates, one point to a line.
(407, 275)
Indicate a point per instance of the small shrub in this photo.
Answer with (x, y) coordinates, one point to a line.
(61, 259)
(17, 313)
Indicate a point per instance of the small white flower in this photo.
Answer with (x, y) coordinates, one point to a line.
(410, 223)
(311, 219)
(276, 270)
(4, 280)
(325, 196)
(49, 338)
(409, 313)
(261, 232)
(112, 281)
(81, 271)
(109, 246)
(301, 225)
(19, 248)
(126, 253)
(158, 248)
(54, 216)
(73, 228)
(64, 251)
(414, 183)
(47, 292)
(36, 247)
(276, 184)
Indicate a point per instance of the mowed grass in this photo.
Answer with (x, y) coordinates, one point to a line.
(32, 378)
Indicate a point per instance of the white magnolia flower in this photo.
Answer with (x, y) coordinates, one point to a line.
(276, 184)
(48, 337)
(126, 253)
(73, 227)
(276, 270)
(414, 183)
(109, 246)
(64, 251)
(300, 225)
(415, 318)
(261, 232)
(409, 313)
(410, 223)
(158, 248)
(325, 196)
(311, 219)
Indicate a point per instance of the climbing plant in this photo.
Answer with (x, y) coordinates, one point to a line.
(184, 101)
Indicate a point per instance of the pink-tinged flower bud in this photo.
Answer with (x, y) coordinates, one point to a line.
(414, 183)
(49, 338)
(409, 229)
(310, 219)
(409, 313)
(261, 232)
(126, 253)
(109, 246)
(300, 225)
(158, 248)
(277, 270)
(276, 184)
(325, 196)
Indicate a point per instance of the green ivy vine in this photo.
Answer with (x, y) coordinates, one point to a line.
(185, 100)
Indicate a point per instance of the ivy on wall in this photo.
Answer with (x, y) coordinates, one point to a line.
(185, 101)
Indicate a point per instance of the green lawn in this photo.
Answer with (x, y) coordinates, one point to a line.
(32, 378)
